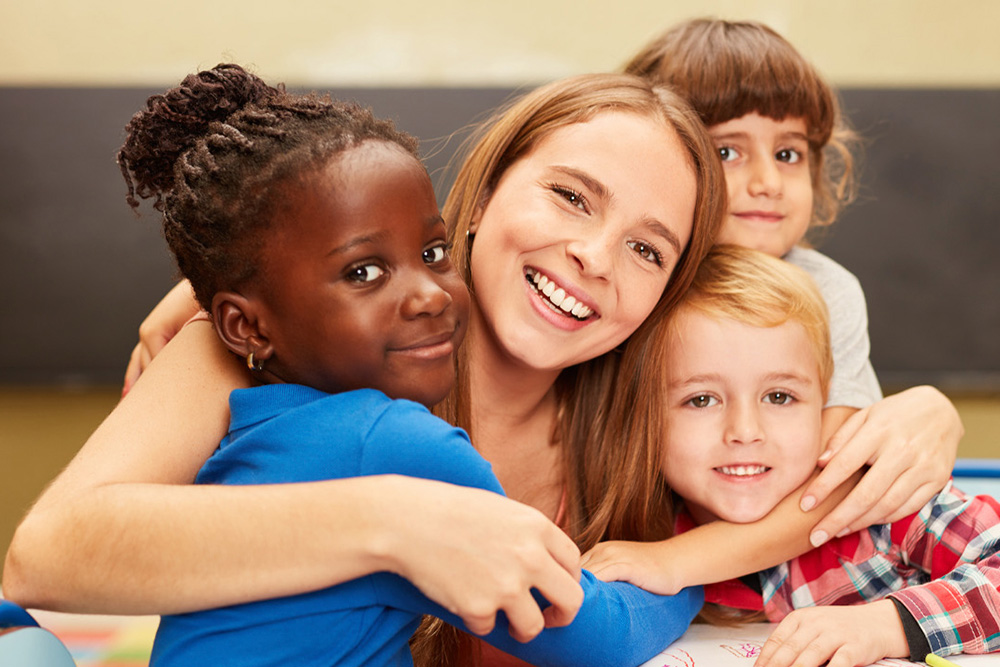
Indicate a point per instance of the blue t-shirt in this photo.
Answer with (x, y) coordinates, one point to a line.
(290, 433)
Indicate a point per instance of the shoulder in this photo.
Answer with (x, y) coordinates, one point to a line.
(405, 438)
(822, 268)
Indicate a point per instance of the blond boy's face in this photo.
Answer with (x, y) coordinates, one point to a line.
(744, 409)
(766, 163)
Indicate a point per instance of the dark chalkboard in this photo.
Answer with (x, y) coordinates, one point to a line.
(78, 270)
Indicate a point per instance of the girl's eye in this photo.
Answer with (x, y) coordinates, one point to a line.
(436, 254)
(570, 195)
(728, 153)
(646, 251)
(789, 155)
(778, 398)
(365, 273)
(703, 401)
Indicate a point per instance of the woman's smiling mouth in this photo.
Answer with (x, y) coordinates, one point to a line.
(556, 296)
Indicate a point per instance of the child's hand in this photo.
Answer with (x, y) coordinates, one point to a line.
(846, 636)
(645, 564)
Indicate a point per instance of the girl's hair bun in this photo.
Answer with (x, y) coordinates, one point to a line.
(172, 122)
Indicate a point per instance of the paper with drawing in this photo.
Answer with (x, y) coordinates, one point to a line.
(711, 646)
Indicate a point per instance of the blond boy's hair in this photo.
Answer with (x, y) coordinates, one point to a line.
(754, 288)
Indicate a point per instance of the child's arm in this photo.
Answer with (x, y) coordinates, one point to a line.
(956, 541)
(122, 530)
(841, 635)
(953, 539)
(704, 554)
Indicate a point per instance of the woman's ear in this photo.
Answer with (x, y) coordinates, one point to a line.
(237, 319)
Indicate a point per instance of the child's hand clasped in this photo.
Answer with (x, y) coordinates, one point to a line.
(645, 564)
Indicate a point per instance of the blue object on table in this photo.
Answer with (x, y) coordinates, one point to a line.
(24, 644)
(977, 468)
(978, 477)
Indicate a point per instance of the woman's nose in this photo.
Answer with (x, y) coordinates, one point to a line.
(593, 252)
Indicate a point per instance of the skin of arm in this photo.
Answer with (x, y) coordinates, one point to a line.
(703, 555)
(163, 323)
(138, 538)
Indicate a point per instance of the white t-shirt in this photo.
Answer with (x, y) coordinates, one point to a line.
(854, 382)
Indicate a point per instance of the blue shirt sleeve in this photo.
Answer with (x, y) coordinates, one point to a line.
(618, 623)
(407, 440)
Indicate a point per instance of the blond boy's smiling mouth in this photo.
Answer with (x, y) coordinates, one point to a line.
(742, 470)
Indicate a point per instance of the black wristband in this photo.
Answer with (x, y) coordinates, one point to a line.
(916, 640)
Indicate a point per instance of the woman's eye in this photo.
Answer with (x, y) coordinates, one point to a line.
(436, 254)
(572, 196)
(703, 401)
(647, 252)
(789, 155)
(728, 153)
(778, 398)
(365, 273)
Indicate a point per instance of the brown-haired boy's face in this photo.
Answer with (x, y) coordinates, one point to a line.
(768, 179)
(360, 290)
(744, 409)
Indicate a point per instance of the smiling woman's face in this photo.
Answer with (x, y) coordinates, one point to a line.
(580, 236)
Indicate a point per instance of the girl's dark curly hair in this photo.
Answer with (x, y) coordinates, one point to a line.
(214, 151)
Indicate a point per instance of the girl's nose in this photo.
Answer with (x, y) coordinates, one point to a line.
(765, 179)
(425, 297)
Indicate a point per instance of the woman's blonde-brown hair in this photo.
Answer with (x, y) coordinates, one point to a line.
(587, 428)
(727, 69)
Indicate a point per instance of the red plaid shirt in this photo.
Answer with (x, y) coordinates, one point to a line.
(942, 564)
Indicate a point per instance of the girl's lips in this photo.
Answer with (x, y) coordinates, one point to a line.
(430, 347)
(765, 216)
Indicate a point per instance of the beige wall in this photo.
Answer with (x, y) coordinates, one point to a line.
(915, 43)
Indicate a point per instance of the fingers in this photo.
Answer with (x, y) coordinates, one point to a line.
(134, 368)
(566, 597)
(565, 552)
(848, 458)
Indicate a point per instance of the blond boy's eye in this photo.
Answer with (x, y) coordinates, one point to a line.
(778, 398)
(703, 401)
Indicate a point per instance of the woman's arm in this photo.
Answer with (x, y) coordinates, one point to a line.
(705, 554)
(162, 324)
(123, 530)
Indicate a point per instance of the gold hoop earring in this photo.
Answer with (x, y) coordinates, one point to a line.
(254, 364)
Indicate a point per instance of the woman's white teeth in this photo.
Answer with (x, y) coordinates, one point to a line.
(742, 471)
(557, 297)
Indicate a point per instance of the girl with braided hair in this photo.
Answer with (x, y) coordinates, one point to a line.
(310, 235)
